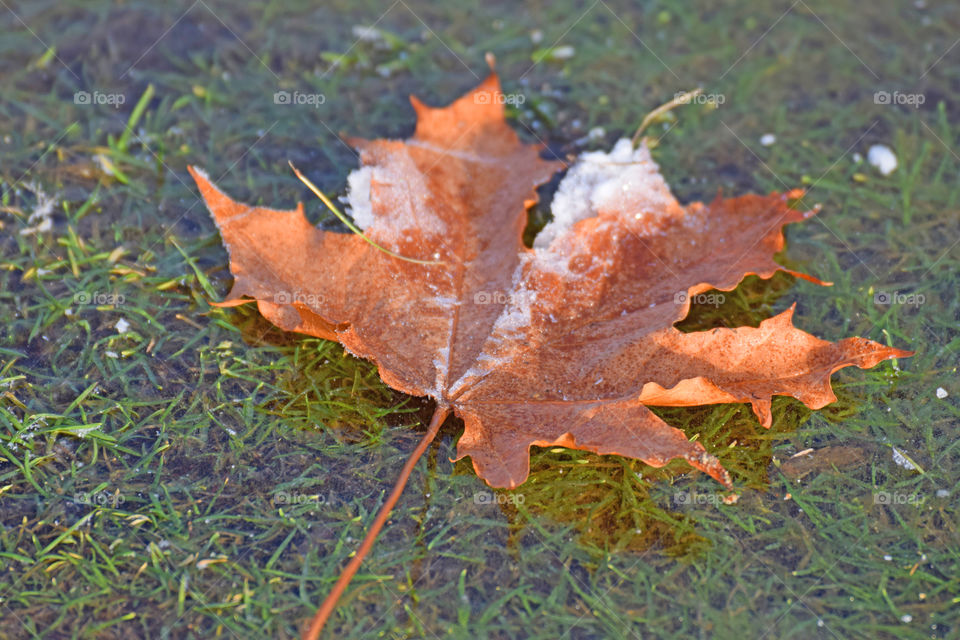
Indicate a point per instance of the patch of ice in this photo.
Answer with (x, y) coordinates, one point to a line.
(442, 364)
(82, 432)
(883, 158)
(446, 301)
(42, 216)
(902, 460)
(516, 315)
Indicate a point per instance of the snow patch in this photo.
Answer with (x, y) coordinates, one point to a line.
(358, 196)
(626, 182)
(902, 460)
(402, 193)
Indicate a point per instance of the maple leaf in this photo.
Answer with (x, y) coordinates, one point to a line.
(562, 344)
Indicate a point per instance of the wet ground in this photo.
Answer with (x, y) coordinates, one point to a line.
(173, 470)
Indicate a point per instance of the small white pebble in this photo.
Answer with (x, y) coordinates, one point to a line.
(941, 393)
(597, 133)
(768, 139)
(906, 618)
(883, 158)
(122, 325)
(367, 34)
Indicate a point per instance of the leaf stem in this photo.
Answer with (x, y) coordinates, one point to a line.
(320, 617)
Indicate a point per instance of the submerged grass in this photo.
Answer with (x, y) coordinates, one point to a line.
(172, 469)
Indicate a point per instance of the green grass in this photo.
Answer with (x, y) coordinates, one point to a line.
(205, 475)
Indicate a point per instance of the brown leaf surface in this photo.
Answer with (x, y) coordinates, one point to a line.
(563, 344)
